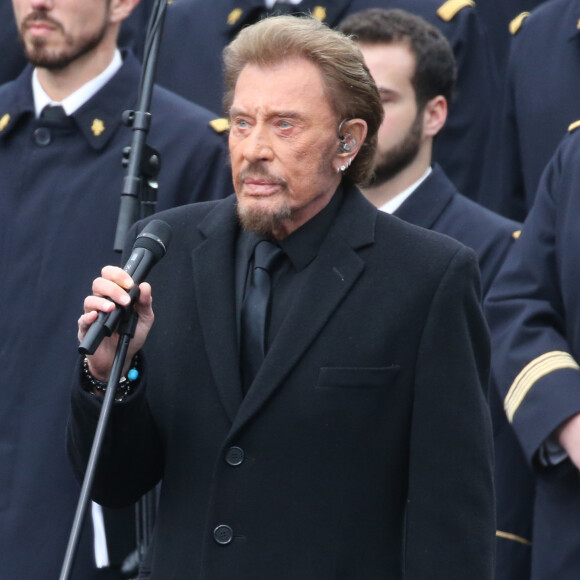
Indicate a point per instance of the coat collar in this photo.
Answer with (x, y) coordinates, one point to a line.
(426, 204)
(98, 119)
(331, 277)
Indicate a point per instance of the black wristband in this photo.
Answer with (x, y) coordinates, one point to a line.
(125, 386)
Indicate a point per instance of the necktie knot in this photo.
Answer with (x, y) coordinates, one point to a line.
(53, 113)
(266, 255)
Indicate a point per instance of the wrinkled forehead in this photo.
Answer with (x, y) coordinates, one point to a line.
(294, 84)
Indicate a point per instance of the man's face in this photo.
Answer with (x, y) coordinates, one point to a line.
(400, 136)
(55, 33)
(283, 146)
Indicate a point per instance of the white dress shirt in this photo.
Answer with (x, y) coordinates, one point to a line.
(77, 99)
(396, 202)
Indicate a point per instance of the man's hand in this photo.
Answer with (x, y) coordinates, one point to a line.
(569, 437)
(108, 290)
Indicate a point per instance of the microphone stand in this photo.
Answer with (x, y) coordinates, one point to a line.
(141, 161)
(138, 199)
(127, 327)
(143, 164)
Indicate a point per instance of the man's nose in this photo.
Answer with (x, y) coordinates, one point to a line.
(258, 145)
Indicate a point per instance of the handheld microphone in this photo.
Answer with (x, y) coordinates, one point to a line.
(150, 246)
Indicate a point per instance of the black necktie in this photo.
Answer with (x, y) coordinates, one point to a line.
(53, 113)
(255, 311)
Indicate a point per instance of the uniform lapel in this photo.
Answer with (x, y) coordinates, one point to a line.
(331, 277)
(213, 270)
(426, 204)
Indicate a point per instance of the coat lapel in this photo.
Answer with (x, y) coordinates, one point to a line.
(213, 269)
(331, 277)
(426, 204)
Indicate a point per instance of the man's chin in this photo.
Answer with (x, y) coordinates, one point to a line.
(39, 54)
(261, 220)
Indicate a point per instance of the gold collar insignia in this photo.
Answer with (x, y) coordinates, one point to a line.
(98, 127)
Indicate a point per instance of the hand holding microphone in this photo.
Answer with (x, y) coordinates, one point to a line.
(116, 290)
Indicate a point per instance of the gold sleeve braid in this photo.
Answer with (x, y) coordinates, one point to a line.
(533, 372)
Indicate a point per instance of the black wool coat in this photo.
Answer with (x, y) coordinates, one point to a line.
(363, 448)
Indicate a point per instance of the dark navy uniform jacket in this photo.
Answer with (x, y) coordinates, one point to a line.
(437, 205)
(540, 102)
(497, 17)
(134, 28)
(534, 315)
(12, 61)
(196, 31)
(60, 186)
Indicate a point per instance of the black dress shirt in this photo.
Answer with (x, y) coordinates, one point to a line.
(300, 249)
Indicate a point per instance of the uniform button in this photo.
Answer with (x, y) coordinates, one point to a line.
(42, 136)
(223, 535)
(234, 456)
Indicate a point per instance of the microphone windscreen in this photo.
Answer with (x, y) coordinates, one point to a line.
(155, 237)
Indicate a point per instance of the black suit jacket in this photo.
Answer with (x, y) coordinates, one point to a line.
(365, 439)
(437, 205)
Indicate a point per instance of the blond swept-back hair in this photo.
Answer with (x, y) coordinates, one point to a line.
(350, 87)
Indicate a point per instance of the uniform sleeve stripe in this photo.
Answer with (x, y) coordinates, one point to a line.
(513, 537)
(533, 372)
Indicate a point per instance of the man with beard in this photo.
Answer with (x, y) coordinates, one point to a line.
(312, 392)
(414, 68)
(61, 176)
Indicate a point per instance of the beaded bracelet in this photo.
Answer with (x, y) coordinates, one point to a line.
(124, 388)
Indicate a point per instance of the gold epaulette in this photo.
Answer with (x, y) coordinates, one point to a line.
(220, 125)
(4, 121)
(448, 10)
(319, 12)
(234, 16)
(517, 22)
(573, 126)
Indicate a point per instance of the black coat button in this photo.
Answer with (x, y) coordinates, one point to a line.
(42, 136)
(223, 534)
(234, 456)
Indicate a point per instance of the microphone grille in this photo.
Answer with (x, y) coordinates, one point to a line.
(155, 237)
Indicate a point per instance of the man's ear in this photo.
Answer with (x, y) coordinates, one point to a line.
(119, 10)
(434, 116)
(351, 137)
